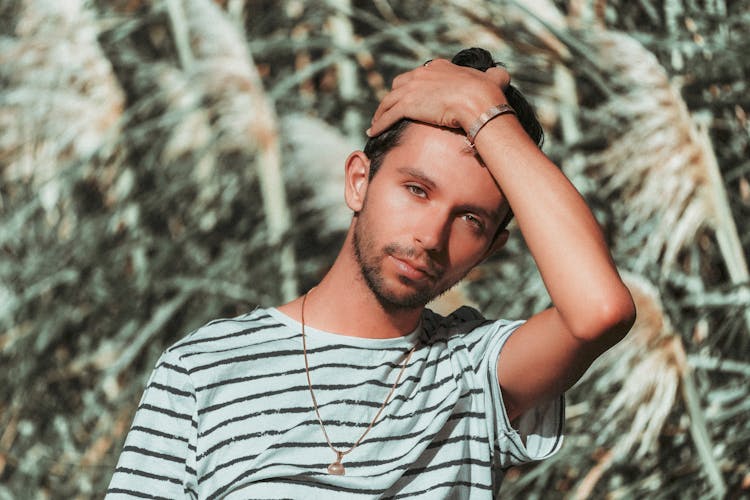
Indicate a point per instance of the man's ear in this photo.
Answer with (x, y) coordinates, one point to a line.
(356, 175)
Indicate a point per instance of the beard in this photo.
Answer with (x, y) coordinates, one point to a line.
(370, 259)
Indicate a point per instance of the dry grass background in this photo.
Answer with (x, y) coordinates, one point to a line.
(166, 162)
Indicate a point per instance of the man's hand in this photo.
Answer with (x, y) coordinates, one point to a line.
(441, 93)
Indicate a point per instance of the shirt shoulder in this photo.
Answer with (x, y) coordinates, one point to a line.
(460, 321)
(465, 323)
(467, 331)
(226, 334)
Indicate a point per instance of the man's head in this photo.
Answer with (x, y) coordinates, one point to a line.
(378, 147)
(433, 212)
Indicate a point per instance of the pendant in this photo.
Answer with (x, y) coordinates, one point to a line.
(337, 468)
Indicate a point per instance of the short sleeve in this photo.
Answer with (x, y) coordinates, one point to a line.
(539, 431)
(158, 458)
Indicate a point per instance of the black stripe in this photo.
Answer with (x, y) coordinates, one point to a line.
(514, 456)
(390, 364)
(242, 318)
(445, 465)
(234, 439)
(137, 472)
(317, 388)
(239, 333)
(479, 362)
(455, 416)
(472, 345)
(450, 484)
(149, 453)
(458, 439)
(172, 367)
(291, 352)
(338, 488)
(154, 432)
(561, 419)
(245, 318)
(240, 418)
(246, 357)
(207, 352)
(134, 493)
(218, 406)
(165, 411)
(301, 482)
(428, 409)
(397, 458)
(171, 390)
(224, 465)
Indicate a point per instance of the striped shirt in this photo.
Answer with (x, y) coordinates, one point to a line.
(227, 413)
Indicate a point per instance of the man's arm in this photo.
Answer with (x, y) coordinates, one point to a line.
(592, 309)
(158, 458)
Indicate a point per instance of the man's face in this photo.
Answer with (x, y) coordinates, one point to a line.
(429, 216)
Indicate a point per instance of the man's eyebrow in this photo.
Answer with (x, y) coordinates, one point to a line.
(418, 174)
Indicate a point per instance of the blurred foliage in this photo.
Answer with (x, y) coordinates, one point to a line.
(139, 144)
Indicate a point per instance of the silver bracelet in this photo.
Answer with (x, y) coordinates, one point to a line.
(485, 117)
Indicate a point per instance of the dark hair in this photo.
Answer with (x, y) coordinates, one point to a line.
(377, 147)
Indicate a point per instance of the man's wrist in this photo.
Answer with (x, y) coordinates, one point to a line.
(485, 118)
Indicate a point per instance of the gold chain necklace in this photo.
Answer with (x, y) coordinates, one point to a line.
(336, 467)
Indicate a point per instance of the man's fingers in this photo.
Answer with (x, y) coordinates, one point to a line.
(428, 94)
(384, 121)
(417, 73)
(388, 102)
(385, 116)
(401, 80)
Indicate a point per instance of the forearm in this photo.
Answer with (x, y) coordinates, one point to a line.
(560, 231)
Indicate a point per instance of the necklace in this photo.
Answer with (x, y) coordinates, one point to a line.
(336, 467)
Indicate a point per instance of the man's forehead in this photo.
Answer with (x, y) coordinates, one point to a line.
(420, 132)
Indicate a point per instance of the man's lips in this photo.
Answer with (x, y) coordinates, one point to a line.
(413, 270)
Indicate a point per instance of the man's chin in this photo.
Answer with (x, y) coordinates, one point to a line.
(403, 300)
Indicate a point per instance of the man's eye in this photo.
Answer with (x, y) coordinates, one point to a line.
(473, 221)
(416, 190)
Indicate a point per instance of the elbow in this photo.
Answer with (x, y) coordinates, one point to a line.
(619, 318)
(609, 320)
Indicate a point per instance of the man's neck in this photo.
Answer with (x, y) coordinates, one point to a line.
(343, 303)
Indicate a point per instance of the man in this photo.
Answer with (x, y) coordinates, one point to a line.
(355, 390)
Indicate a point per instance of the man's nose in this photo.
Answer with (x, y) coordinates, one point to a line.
(432, 232)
